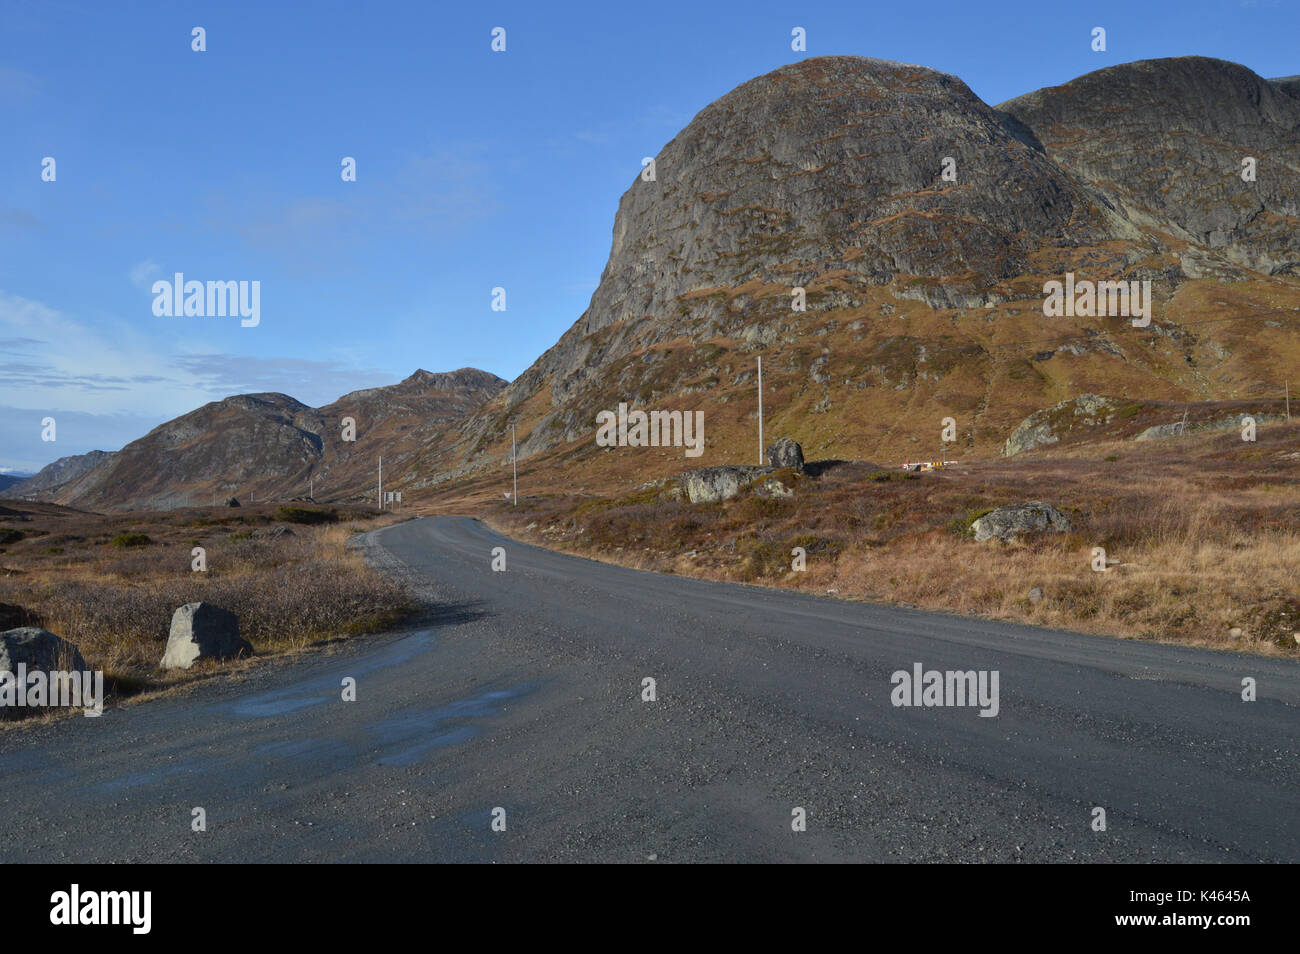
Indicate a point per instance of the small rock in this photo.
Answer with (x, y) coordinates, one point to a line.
(771, 487)
(1036, 595)
(1235, 632)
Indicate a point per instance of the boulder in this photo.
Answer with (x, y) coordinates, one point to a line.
(711, 484)
(786, 453)
(203, 631)
(1007, 522)
(232, 502)
(39, 649)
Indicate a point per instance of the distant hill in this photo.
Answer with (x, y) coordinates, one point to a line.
(9, 480)
(63, 471)
(270, 446)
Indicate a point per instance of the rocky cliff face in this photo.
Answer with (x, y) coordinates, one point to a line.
(1166, 140)
(271, 446)
(924, 293)
(830, 165)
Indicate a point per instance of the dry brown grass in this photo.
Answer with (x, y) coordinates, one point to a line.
(116, 604)
(1202, 534)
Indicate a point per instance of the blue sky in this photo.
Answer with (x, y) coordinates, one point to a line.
(475, 170)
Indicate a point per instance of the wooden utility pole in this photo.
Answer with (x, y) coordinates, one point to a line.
(514, 463)
(381, 483)
(760, 410)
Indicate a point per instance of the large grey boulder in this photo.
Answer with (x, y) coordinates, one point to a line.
(203, 631)
(38, 649)
(786, 453)
(1007, 522)
(712, 484)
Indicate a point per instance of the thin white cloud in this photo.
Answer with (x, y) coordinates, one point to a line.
(50, 360)
(142, 274)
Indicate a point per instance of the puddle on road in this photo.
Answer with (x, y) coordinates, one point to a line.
(324, 688)
(407, 736)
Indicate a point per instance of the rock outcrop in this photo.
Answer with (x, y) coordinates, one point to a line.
(1180, 428)
(1006, 523)
(202, 631)
(1046, 426)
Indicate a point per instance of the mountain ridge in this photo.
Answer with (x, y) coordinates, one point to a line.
(265, 444)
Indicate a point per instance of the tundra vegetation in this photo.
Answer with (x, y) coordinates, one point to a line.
(1201, 536)
(110, 584)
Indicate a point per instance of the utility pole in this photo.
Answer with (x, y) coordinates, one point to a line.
(381, 483)
(311, 488)
(760, 410)
(1288, 399)
(514, 463)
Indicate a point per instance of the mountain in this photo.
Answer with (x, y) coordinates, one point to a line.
(271, 446)
(62, 471)
(1203, 117)
(925, 295)
(10, 480)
